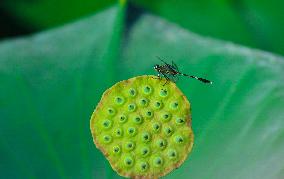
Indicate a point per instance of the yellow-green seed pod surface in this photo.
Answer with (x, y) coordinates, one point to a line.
(143, 127)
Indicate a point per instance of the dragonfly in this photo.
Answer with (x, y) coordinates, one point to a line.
(171, 72)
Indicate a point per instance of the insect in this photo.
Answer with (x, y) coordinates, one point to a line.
(171, 72)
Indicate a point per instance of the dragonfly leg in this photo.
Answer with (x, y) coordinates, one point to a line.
(159, 77)
(167, 79)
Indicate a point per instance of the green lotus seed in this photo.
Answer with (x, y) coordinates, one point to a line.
(122, 118)
(119, 100)
(147, 90)
(116, 150)
(131, 131)
(179, 121)
(156, 127)
(179, 139)
(107, 124)
(163, 93)
(146, 137)
(128, 161)
(161, 143)
(107, 139)
(166, 117)
(168, 130)
(158, 105)
(174, 105)
(118, 132)
(172, 154)
(137, 119)
(132, 92)
(143, 102)
(149, 114)
(129, 145)
(158, 161)
(111, 111)
(144, 166)
(145, 151)
(131, 107)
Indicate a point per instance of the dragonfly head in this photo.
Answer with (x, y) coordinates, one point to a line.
(156, 67)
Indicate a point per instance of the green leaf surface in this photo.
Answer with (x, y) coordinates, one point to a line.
(52, 81)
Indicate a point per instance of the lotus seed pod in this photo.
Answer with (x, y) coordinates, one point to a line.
(143, 127)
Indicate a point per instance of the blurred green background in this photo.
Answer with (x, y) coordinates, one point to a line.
(58, 57)
(252, 23)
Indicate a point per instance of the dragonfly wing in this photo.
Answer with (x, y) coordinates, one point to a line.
(175, 66)
(162, 60)
(173, 78)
